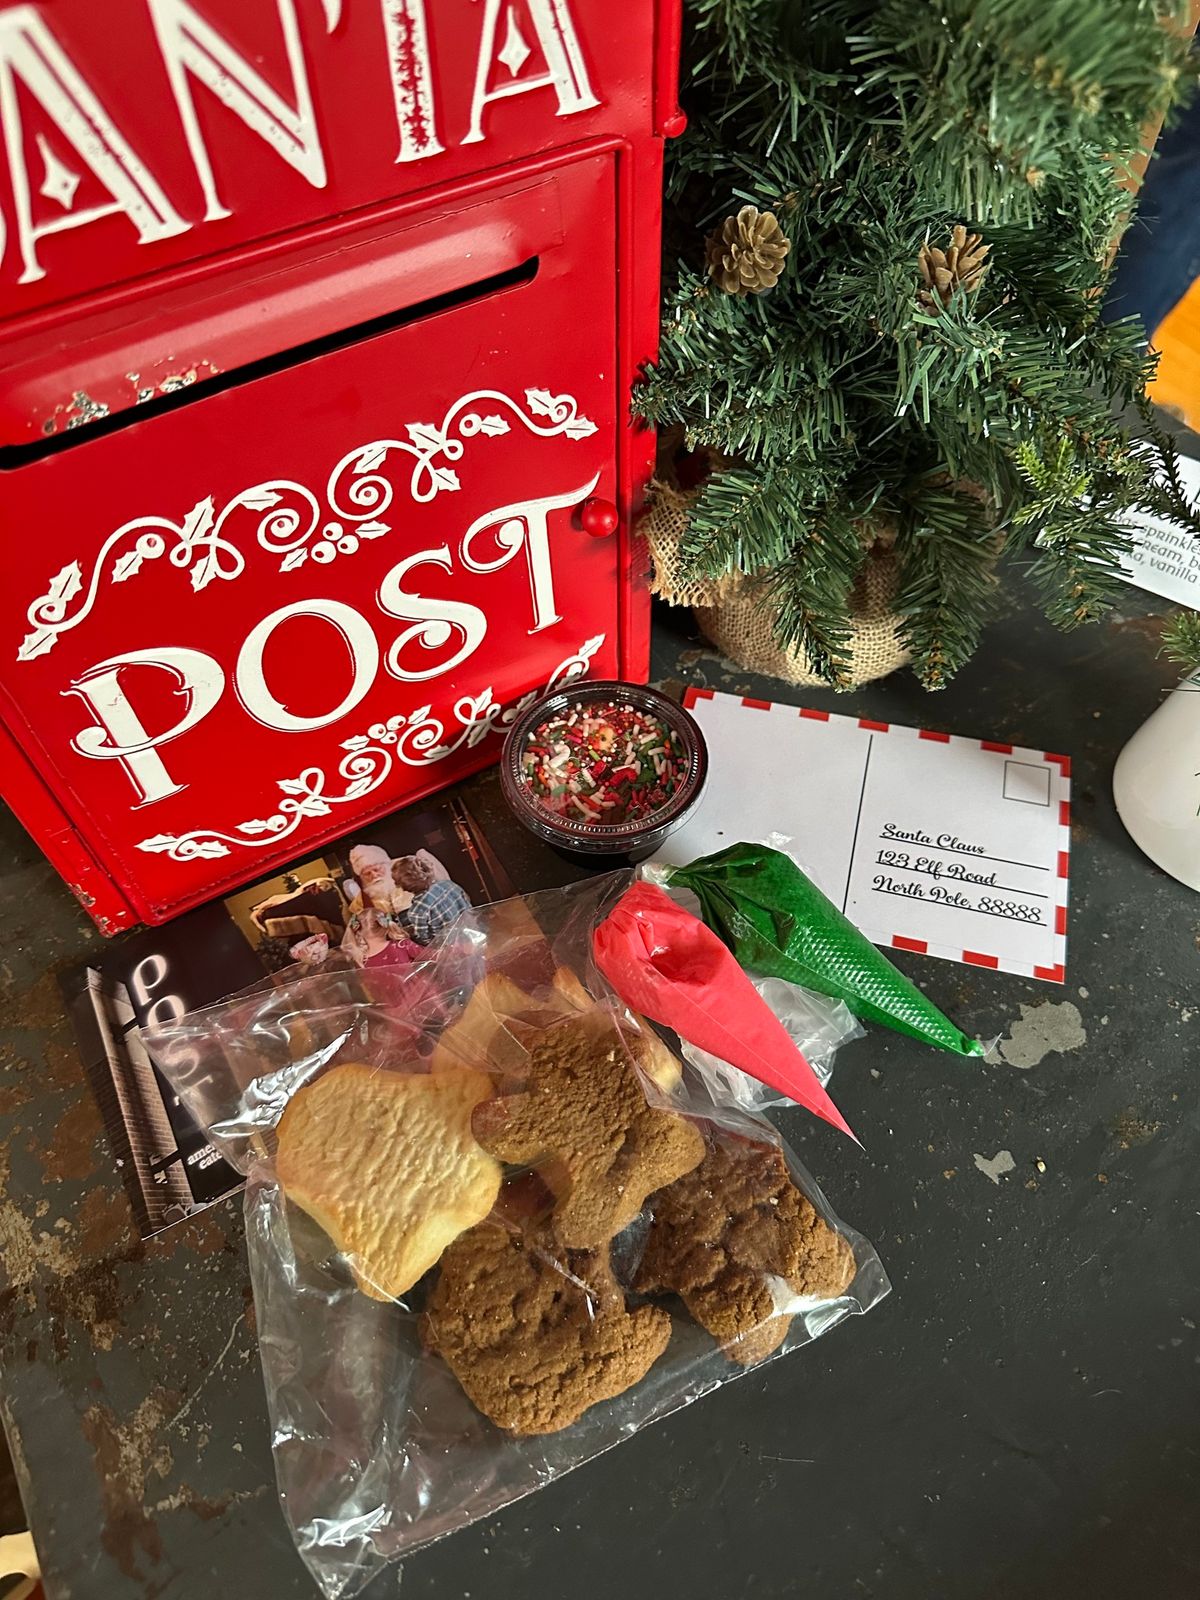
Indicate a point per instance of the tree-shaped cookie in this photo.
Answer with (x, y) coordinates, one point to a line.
(584, 1121)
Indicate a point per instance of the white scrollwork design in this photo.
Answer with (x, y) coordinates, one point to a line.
(197, 545)
(412, 740)
(431, 445)
(292, 524)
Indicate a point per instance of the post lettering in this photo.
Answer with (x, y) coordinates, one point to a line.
(190, 45)
(566, 71)
(118, 733)
(30, 53)
(251, 685)
(524, 526)
(434, 622)
(407, 38)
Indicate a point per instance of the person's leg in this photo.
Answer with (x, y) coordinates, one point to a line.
(1159, 258)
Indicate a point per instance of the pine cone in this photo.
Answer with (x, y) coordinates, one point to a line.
(943, 271)
(746, 254)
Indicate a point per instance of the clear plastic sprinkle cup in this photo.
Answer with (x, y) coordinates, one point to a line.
(545, 745)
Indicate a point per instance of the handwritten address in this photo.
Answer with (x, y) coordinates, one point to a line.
(960, 885)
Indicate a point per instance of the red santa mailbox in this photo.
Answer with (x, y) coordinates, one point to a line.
(316, 456)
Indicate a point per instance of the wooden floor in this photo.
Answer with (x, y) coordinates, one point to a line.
(1178, 340)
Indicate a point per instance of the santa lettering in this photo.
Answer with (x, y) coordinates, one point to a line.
(60, 129)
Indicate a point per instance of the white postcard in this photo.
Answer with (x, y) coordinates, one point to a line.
(929, 842)
(1166, 558)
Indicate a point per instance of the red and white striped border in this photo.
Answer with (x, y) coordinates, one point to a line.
(1055, 973)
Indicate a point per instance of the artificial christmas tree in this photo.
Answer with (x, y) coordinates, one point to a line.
(891, 346)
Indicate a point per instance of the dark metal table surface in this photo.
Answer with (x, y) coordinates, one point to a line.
(1019, 1419)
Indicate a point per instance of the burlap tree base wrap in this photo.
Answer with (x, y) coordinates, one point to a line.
(736, 622)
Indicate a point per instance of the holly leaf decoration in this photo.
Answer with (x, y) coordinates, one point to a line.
(370, 457)
(37, 643)
(255, 825)
(359, 742)
(521, 706)
(293, 786)
(492, 425)
(579, 428)
(421, 714)
(293, 559)
(427, 437)
(125, 566)
(444, 478)
(542, 403)
(64, 586)
(193, 849)
(198, 522)
(372, 530)
(260, 498)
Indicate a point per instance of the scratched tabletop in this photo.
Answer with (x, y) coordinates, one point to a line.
(1019, 1419)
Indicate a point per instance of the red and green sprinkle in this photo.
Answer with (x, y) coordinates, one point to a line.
(603, 762)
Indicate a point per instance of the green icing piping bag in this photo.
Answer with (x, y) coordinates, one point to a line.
(777, 922)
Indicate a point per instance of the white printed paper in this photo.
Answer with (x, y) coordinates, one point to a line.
(1166, 558)
(929, 842)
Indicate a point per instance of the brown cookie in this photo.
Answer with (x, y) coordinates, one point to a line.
(536, 1334)
(501, 1022)
(736, 1239)
(583, 1119)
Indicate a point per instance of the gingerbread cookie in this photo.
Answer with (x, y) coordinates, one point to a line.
(584, 1120)
(501, 1023)
(387, 1164)
(536, 1334)
(736, 1240)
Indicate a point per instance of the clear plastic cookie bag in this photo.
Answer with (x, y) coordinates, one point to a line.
(496, 1223)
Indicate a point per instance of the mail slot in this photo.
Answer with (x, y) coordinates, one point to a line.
(319, 334)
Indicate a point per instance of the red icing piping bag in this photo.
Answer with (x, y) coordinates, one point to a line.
(668, 965)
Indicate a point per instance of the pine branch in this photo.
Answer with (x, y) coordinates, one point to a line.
(949, 582)
(812, 592)
(1181, 640)
(743, 521)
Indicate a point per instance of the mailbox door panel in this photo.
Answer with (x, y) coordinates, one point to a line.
(242, 626)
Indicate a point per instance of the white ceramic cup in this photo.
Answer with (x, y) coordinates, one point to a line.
(1156, 784)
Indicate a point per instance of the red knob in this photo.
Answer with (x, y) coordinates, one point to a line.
(673, 124)
(599, 518)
